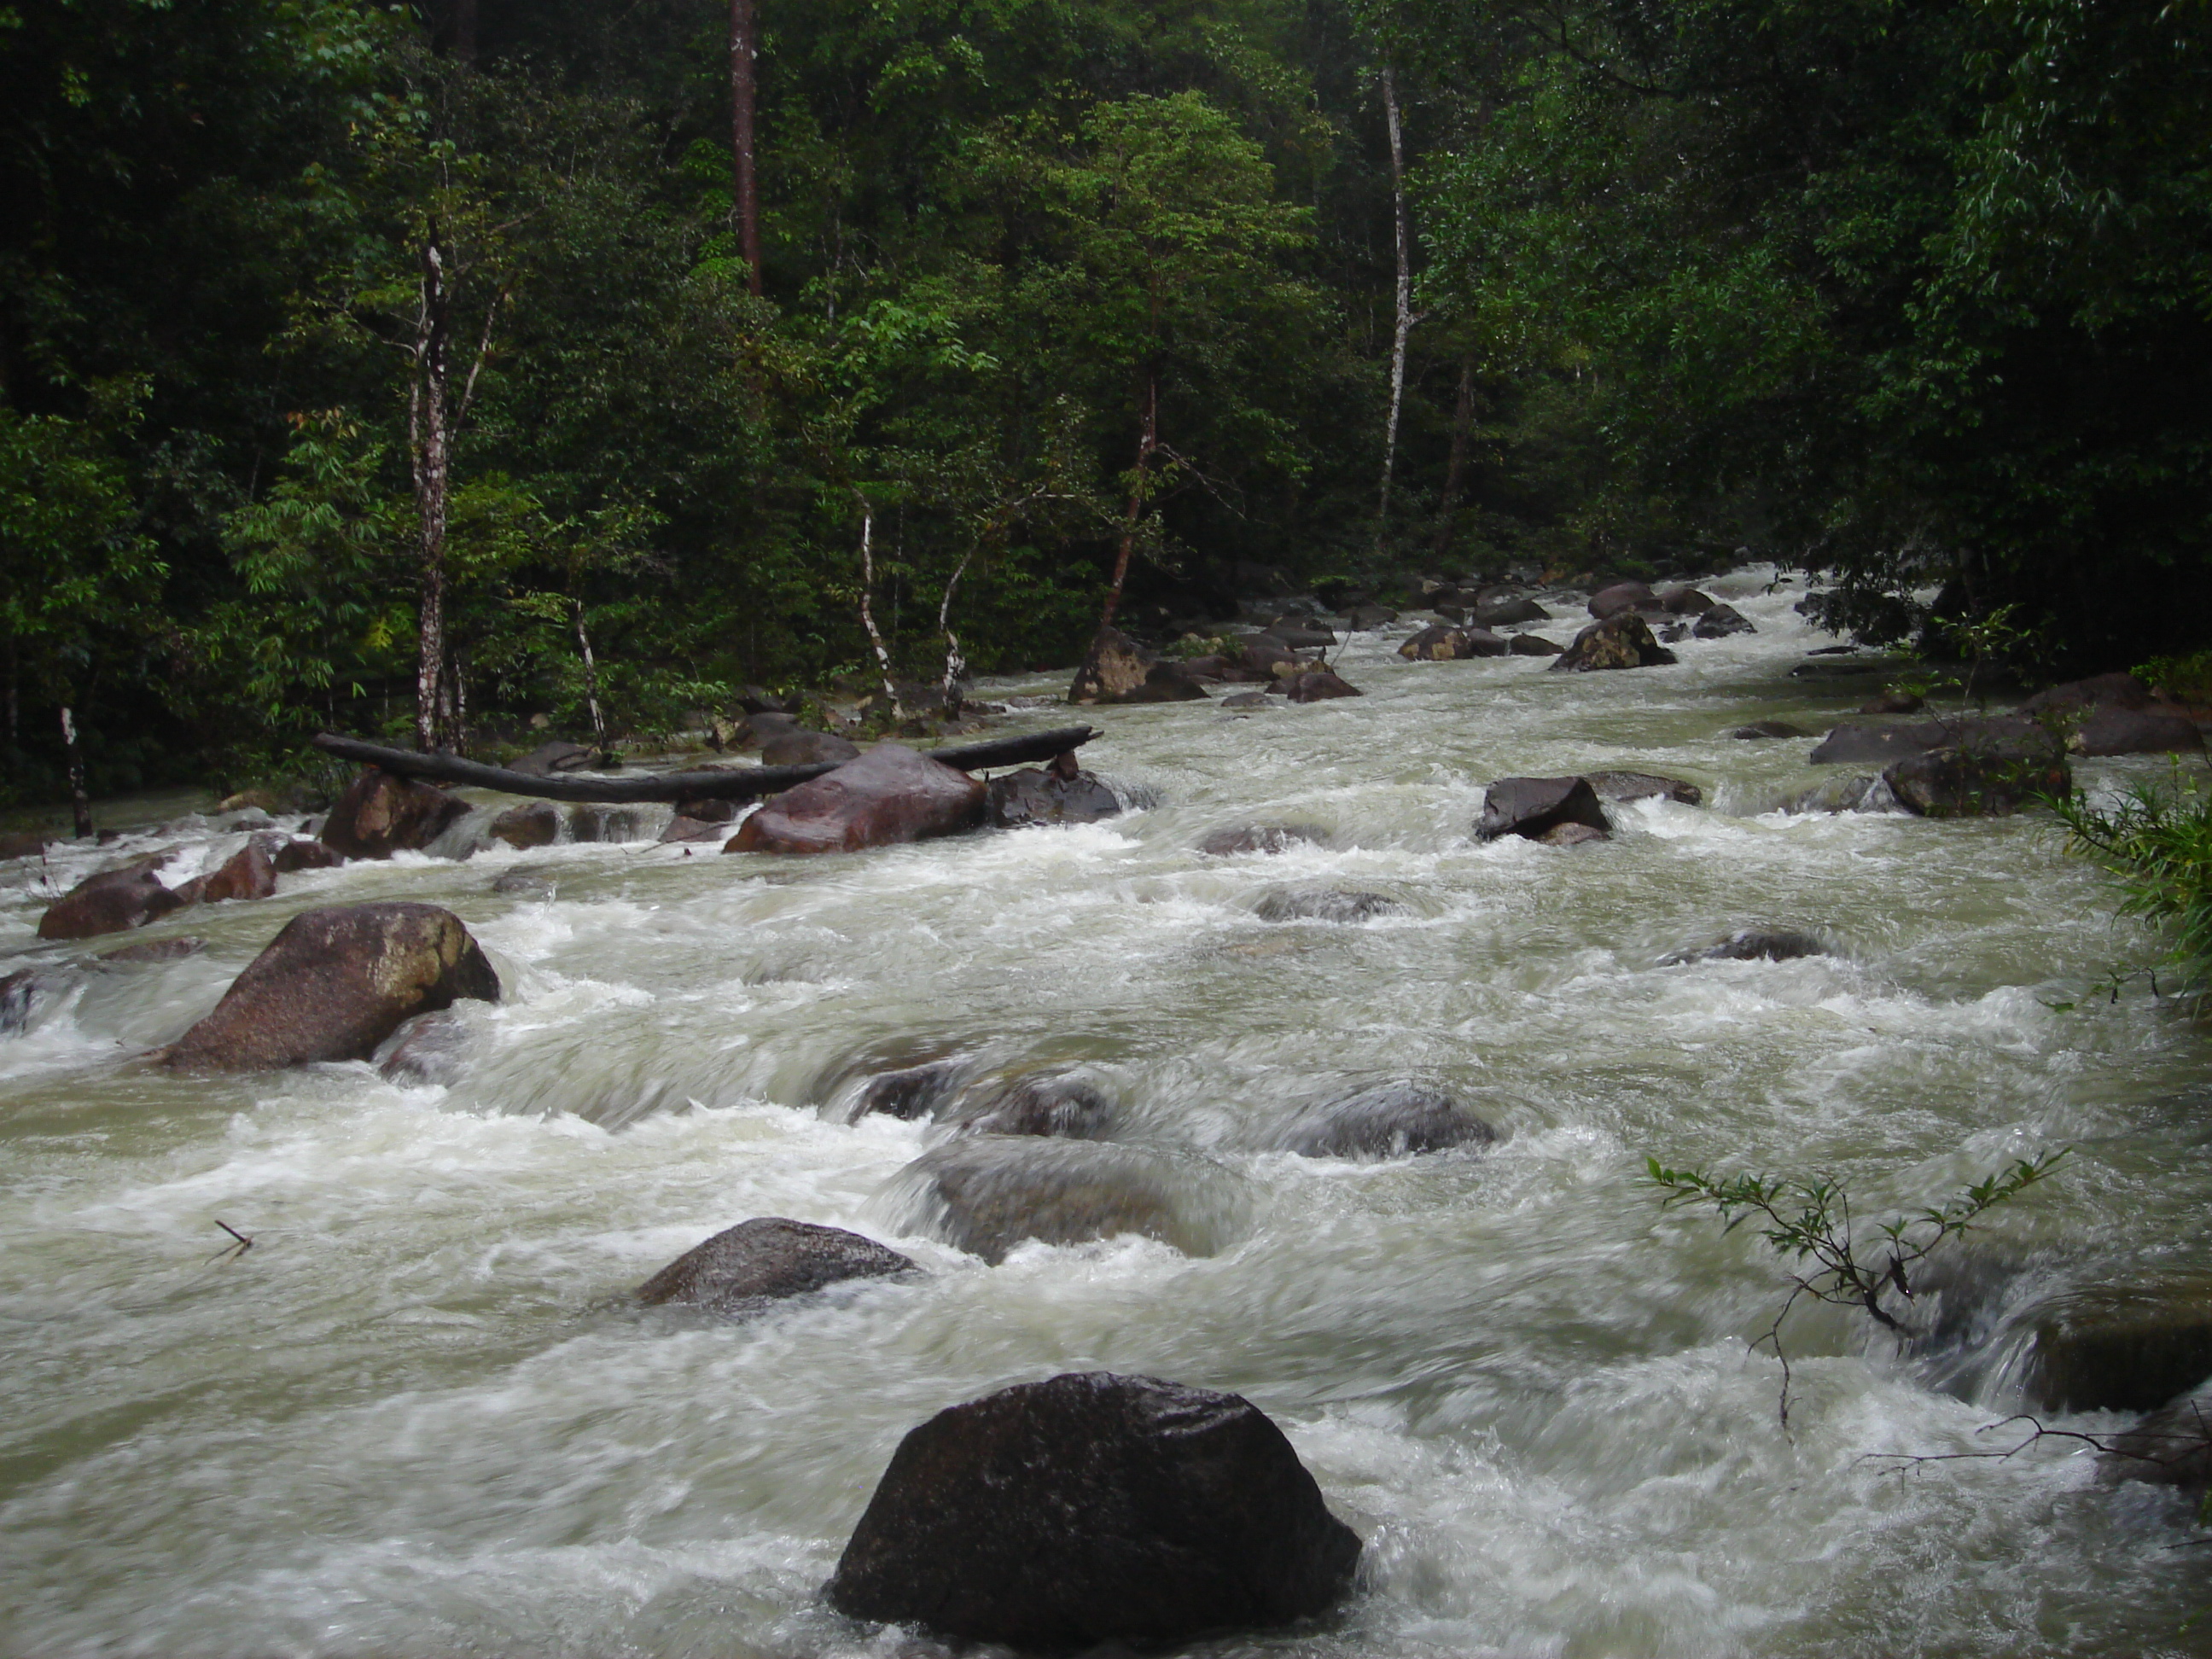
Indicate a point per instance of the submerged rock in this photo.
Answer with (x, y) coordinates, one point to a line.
(1622, 641)
(986, 1193)
(1391, 1120)
(532, 824)
(429, 1049)
(295, 855)
(1720, 622)
(910, 1091)
(1624, 787)
(534, 880)
(1040, 1103)
(1758, 729)
(1318, 685)
(334, 984)
(750, 1268)
(1750, 945)
(1037, 796)
(155, 950)
(1974, 782)
(890, 794)
(111, 902)
(1093, 1508)
(2172, 1447)
(592, 820)
(1325, 904)
(1533, 806)
(2121, 1348)
(379, 814)
(1262, 838)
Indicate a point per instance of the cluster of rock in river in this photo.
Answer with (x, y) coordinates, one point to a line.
(1093, 1507)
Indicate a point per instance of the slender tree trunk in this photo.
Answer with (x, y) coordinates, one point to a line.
(1455, 468)
(867, 606)
(744, 50)
(1404, 241)
(15, 698)
(956, 666)
(431, 443)
(1147, 442)
(590, 677)
(80, 803)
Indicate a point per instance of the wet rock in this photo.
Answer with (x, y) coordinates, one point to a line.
(910, 1091)
(1034, 795)
(248, 873)
(1620, 599)
(1531, 806)
(1750, 945)
(1977, 782)
(1262, 838)
(534, 823)
(1761, 729)
(986, 1193)
(1325, 904)
(1093, 1508)
(1508, 610)
(1437, 645)
(536, 880)
(1244, 700)
(1643, 785)
(1891, 740)
(2114, 730)
(1623, 641)
(2098, 691)
(1862, 793)
(1266, 658)
(28, 844)
(2121, 1348)
(686, 829)
(294, 856)
(334, 984)
(1318, 685)
(1720, 622)
(429, 1049)
(708, 809)
(22, 992)
(749, 1268)
(796, 747)
(379, 814)
(1686, 601)
(1572, 834)
(1534, 645)
(1392, 1119)
(556, 755)
(592, 822)
(1893, 703)
(1116, 669)
(111, 902)
(1305, 638)
(890, 794)
(1042, 1104)
(2172, 1447)
(155, 950)
(761, 725)
(1368, 617)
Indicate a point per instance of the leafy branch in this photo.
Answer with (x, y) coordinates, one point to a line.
(1809, 1224)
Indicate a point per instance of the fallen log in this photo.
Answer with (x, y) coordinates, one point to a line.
(737, 784)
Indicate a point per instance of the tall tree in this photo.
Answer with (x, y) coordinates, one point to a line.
(744, 52)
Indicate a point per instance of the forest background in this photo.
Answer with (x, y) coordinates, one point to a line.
(359, 365)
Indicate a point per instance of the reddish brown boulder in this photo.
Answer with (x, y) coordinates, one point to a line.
(296, 855)
(890, 794)
(248, 873)
(380, 814)
(1620, 598)
(1318, 685)
(334, 984)
(533, 824)
(111, 902)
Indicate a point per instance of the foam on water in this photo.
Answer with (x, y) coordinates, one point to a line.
(419, 1418)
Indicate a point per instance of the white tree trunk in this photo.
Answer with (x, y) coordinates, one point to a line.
(1405, 319)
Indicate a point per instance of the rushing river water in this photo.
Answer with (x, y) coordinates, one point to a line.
(417, 1418)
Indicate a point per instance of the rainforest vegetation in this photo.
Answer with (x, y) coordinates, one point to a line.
(381, 367)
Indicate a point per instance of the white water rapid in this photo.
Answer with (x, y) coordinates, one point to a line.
(417, 1418)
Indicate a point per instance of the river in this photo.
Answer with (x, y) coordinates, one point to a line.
(418, 1418)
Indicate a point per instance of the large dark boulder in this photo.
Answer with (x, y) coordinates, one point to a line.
(910, 1091)
(2100, 690)
(1991, 782)
(1093, 1508)
(532, 824)
(1623, 641)
(890, 794)
(1686, 601)
(334, 984)
(1534, 645)
(986, 1193)
(248, 873)
(1643, 785)
(1391, 1120)
(749, 1268)
(1720, 621)
(1059, 795)
(2121, 1348)
(1890, 740)
(1533, 806)
(298, 855)
(1437, 645)
(379, 814)
(797, 747)
(1116, 669)
(1318, 685)
(1622, 597)
(2109, 730)
(111, 902)
(2172, 1447)
(1761, 729)
(1507, 610)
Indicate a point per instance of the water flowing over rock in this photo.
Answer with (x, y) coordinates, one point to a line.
(1092, 1508)
(1533, 806)
(429, 1049)
(334, 984)
(1035, 795)
(1325, 904)
(112, 902)
(2124, 1347)
(751, 1268)
(890, 794)
(1624, 787)
(1719, 622)
(1751, 944)
(986, 1193)
(532, 824)
(911, 1091)
(1318, 685)
(1763, 729)
(1262, 838)
(1390, 1119)
(2172, 1447)
(1975, 783)
(1040, 1103)
(380, 815)
(1623, 641)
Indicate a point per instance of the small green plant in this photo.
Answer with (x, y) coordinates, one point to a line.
(2156, 843)
(1833, 1260)
(2189, 678)
(1998, 636)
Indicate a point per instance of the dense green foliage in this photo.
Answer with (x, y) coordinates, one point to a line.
(2157, 844)
(1913, 293)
